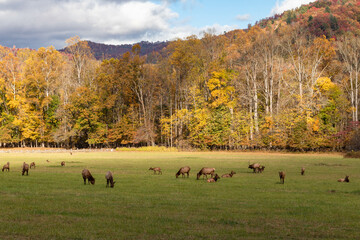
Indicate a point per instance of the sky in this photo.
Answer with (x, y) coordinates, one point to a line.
(43, 23)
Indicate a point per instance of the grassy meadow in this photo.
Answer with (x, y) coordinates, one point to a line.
(53, 203)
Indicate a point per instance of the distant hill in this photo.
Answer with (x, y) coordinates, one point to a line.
(105, 51)
(331, 18)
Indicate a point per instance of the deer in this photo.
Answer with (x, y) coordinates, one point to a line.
(229, 175)
(32, 165)
(156, 169)
(212, 180)
(346, 179)
(260, 169)
(254, 166)
(25, 169)
(282, 177)
(109, 179)
(302, 171)
(182, 171)
(87, 175)
(62, 163)
(205, 171)
(6, 167)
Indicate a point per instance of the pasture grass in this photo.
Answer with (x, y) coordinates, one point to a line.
(53, 203)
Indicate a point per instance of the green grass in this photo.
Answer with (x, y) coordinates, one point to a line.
(53, 203)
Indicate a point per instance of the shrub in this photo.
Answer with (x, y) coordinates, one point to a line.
(352, 154)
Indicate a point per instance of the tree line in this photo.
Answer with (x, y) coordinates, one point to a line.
(259, 88)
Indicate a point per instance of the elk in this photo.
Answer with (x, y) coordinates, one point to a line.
(205, 171)
(282, 177)
(346, 179)
(302, 171)
(182, 171)
(87, 175)
(254, 166)
(47, 160)
(211, 180)
(32, 165)
(156, 169)
(63, 163)
(25, 169)
(229, 175)
(109, 179)
(260, 169)
(6, 167)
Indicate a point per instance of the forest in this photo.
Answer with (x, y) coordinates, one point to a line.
(290, 82)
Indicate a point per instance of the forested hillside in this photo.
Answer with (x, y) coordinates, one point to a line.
(103, 51)
(289, 82)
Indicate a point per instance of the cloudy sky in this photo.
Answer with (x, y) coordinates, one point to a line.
(41, 23)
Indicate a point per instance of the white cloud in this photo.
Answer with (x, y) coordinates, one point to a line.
(244, 17)
(39, 23)
(287, 5)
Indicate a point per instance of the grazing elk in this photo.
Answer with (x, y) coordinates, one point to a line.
(156, 169)
(6, 167)
(302, 171)
(109, 179)
(205, 171)
(254, 167)
(260, 169)
(229, 175)
(346, 179)
(87, 175)
(182, 171)
(282, 177)
(32, 165)
(47, 160)
(25, 169)
(211, 180)
(63, 163)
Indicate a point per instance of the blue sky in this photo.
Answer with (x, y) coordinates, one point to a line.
(223, 12)
(43, 23)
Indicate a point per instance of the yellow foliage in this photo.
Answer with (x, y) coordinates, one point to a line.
(324, 84)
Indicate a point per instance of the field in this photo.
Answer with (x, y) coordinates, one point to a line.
(53, 203)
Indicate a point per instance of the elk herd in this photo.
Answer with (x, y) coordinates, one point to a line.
(204, 172)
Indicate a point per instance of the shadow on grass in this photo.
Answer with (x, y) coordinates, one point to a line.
(330, 165)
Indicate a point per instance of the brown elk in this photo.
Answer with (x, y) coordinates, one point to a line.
(260, 169)
(302, 171)
(87, 175)
(6, 167)
(182, 171)
(205, 171)
(211, 180)
(32, 165)
(25, 169)
(282, 177)
(63, 163)
(229, 175)
(346, 179)
(47, 160)
(254, 167)
(109, 179)
(156, 169)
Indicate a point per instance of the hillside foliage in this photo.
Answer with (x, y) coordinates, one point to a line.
(289, 82)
